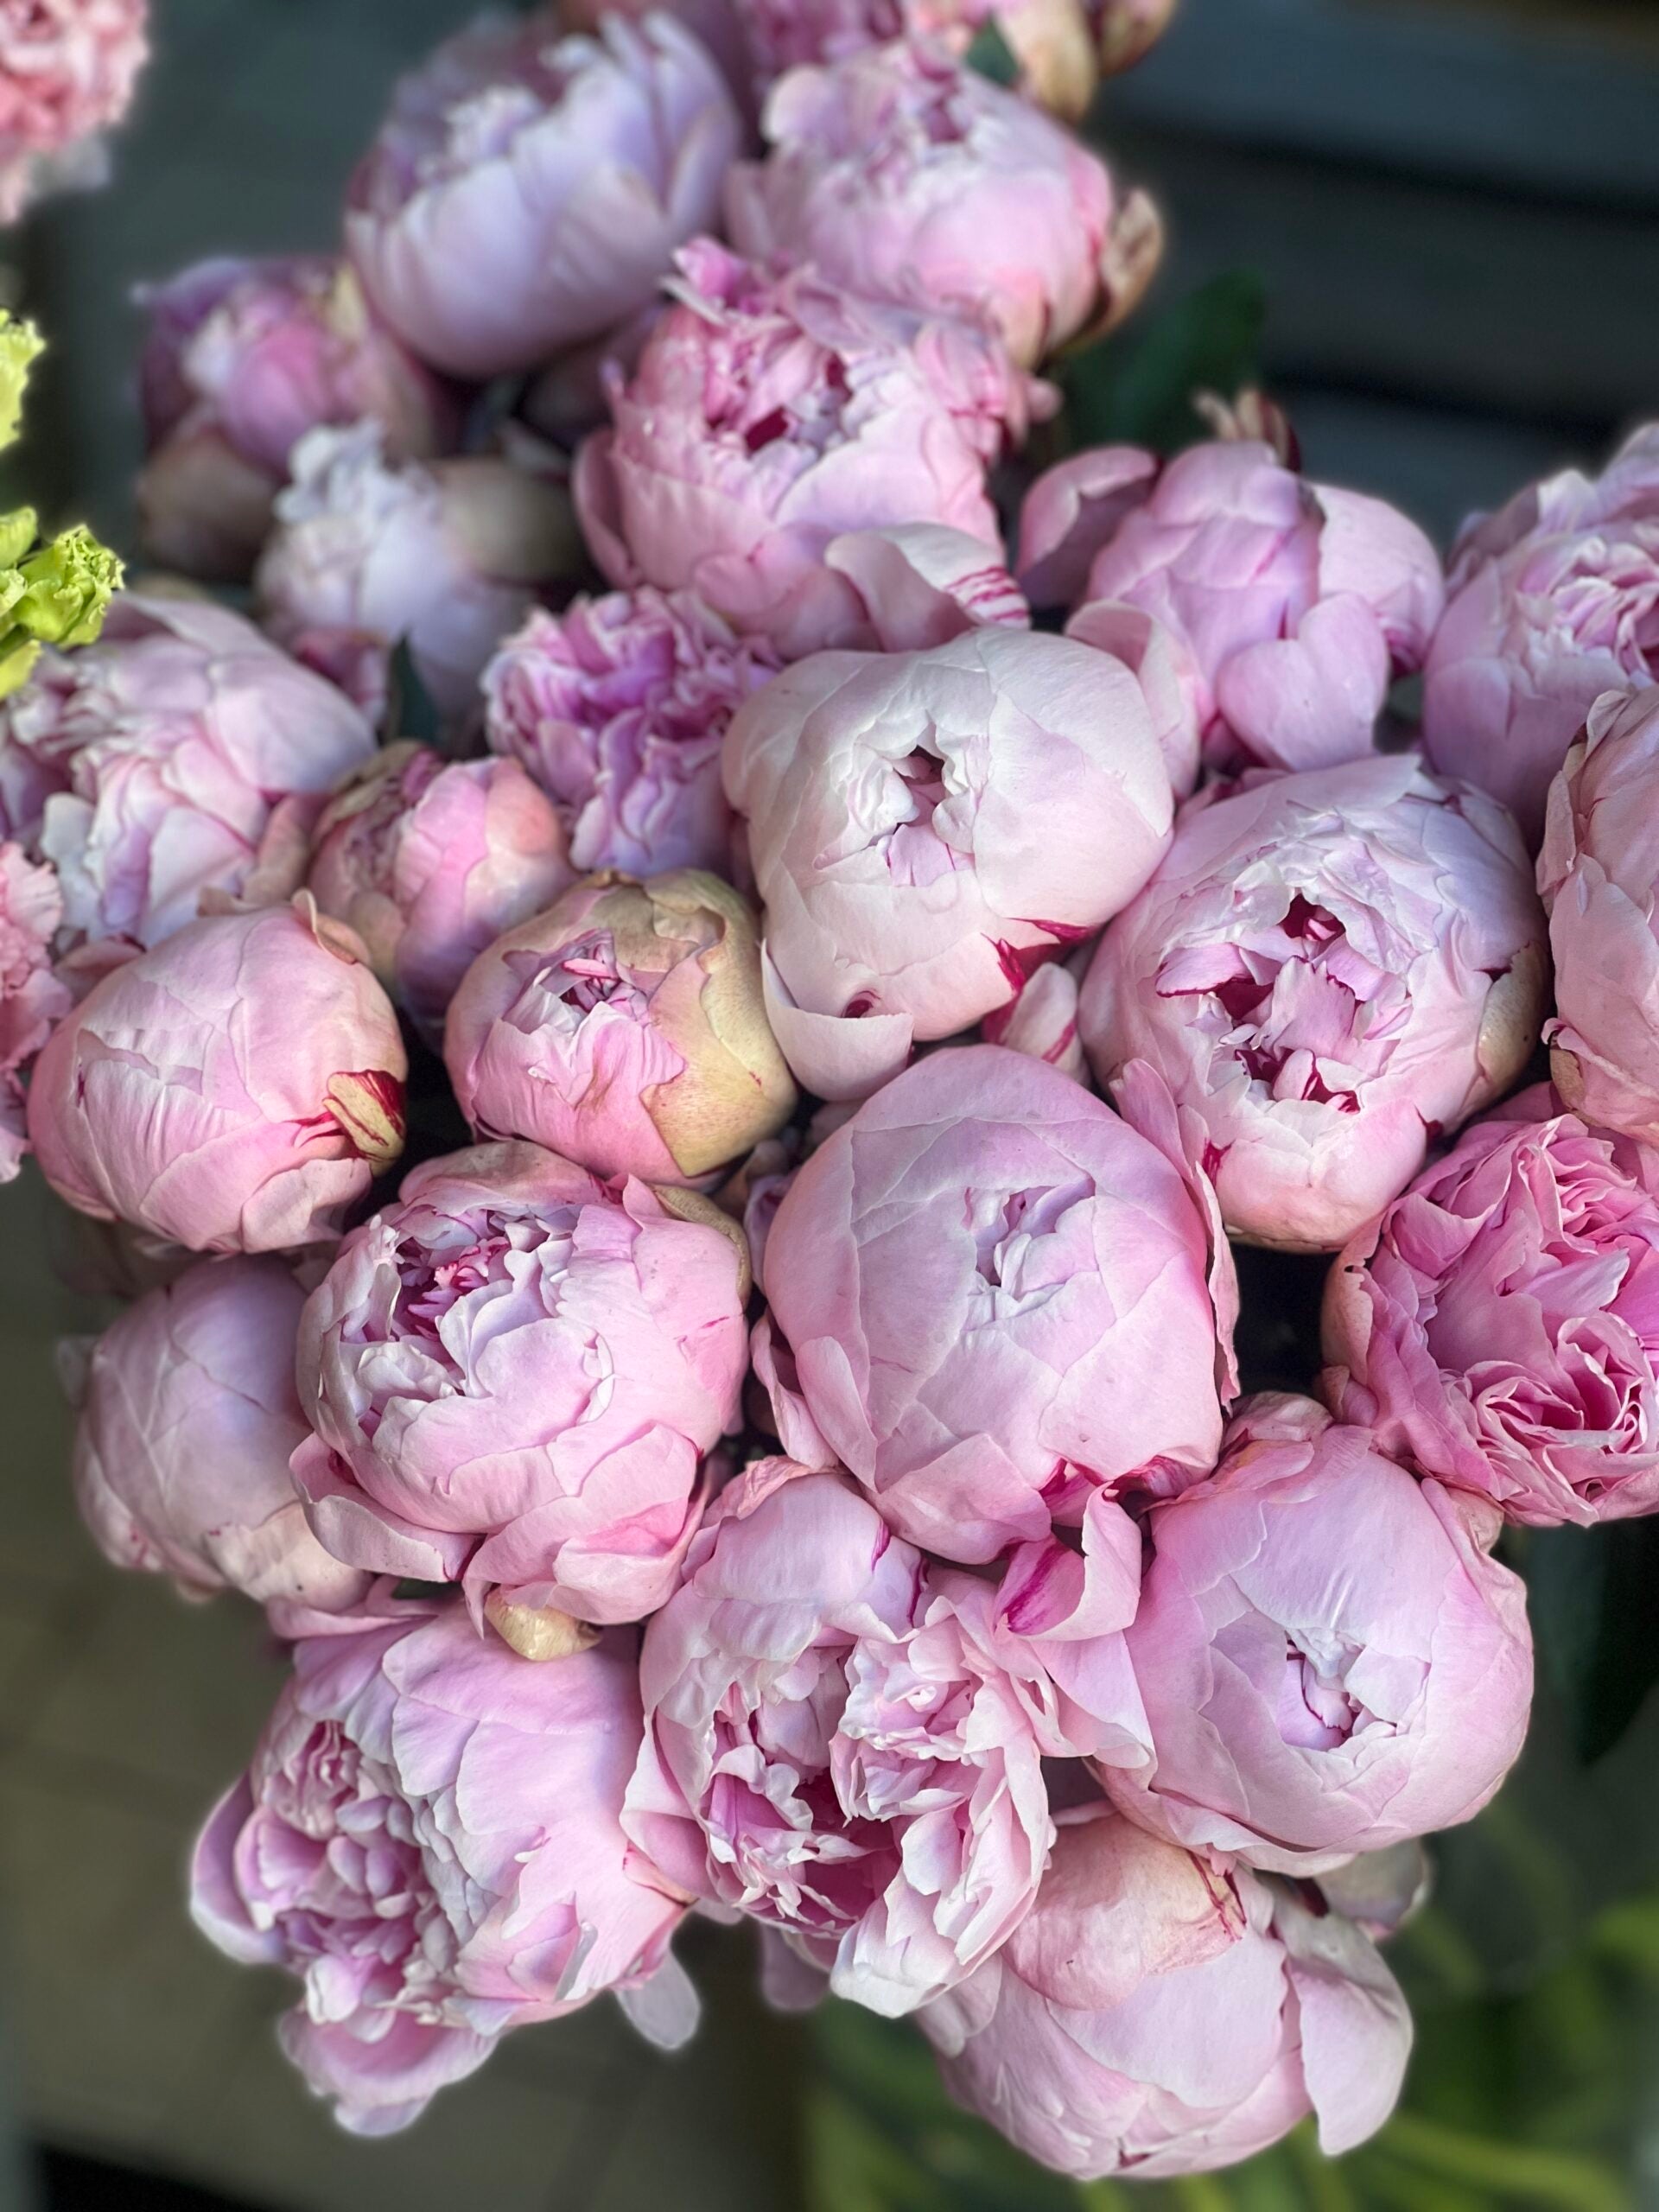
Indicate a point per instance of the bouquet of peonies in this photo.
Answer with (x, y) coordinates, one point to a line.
(842, 976)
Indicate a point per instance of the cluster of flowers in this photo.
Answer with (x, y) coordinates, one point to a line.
(789, 1465)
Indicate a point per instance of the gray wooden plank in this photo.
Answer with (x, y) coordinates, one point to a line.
(1556, 104)
(1403, 286)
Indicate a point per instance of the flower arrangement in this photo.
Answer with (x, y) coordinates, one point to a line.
(692, 1028)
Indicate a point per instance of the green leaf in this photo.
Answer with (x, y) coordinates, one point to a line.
(439, 1592)
(992, 56)
(1594, 1598)
(411, 712)
(1137, 389)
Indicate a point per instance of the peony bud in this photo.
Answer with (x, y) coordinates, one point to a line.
(429, 861)
(512, 1374)
(970, 1275)
(1495, 1326)
(449, 557)
(242, 358)
(771, 413)
(617, 707)
(1291, 605)
(188, 1415)
(1551, 606)
(429, 1838)
(1598, 874)
(1327, 970)
(623, 1028)
(904, 176)
(528, 190)
(1327, 1658)
(182, 755)
(890, 1818)
(1158, 2013)
(32, 999)
(911, 816)
(234, 1089)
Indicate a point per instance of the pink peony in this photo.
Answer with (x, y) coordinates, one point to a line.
(242, 358)
(1292, 604)
(1328, 1660)
(67, 69)
(181, 754)
(771, 413)
(446, 558)
(429, 862)
(429, 1838)
(514, 1373)
(1156, 2013)
(831, 1745)
(1328, 969)
(32, 999)
(973, 1277)
(187, 1417)
(236, 1090)
(623, 1028)
(1598, 873)
(1555, 599)
(617, 708)
(925, 829)
(1495, 1327)
(528, 190)
(905, 176)
(1051, 39)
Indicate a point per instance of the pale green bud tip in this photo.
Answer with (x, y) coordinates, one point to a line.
(21, 344)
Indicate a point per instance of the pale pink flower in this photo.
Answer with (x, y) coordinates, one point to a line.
(831, 1745)
(527, 190)
(429, 1838)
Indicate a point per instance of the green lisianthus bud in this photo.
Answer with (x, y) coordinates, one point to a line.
(56, 596)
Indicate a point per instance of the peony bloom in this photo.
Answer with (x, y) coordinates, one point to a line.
(446, 558)
(67, 69)
(973, 1277)
(429, 860)
(32, 999)
(1496, 1327)
(617, 708)
(1070, 512)
(512, 1374)
(1329, 969)
(1599, 872)
(1328, 1660)
(905, 176)
(182, 755)
(926, 828)
(623, 1028)
(831, 1745)
(429, 1838)
(1292, 604)
(771, 413)
(187, 1418)
(1554, 602)
(242, 358)
(528, 190)
(236, 1090)
(1156, 2014)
